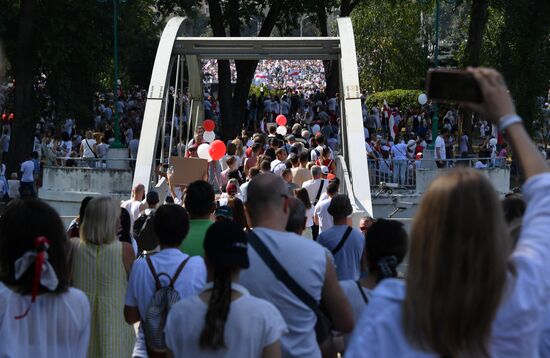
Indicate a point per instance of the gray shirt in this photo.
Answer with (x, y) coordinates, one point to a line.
(305, 261)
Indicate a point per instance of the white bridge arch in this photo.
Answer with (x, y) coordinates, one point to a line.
(175, 49)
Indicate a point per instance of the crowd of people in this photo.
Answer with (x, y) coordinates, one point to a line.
(276, 74)
(275, 266)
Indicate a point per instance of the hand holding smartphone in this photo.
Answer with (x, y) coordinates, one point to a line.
(449, 85)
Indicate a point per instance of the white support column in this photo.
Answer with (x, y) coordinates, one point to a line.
(151, 117)
(353, 136)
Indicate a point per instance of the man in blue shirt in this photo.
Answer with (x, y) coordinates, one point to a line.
(345, 242)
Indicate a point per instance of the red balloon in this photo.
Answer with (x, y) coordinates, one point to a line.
(11, 116)
(4, 116)
(217, 150)
(281, 120)
(209, 125)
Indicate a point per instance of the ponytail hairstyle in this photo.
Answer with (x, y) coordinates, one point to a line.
(225, 248)
(212, 335)
(386, 245)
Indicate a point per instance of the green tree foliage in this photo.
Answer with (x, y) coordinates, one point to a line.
(517, 43)
(389, 45)
(396, 98)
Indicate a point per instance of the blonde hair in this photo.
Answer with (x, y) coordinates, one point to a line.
(458, 266)
(239, 151)
(100, 221)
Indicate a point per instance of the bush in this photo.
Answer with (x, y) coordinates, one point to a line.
(400, 98)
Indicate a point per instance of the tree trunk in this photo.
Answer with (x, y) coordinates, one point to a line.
(478, 22)
(332, 75)
(23, 124)
(224, 70)
(233, 101)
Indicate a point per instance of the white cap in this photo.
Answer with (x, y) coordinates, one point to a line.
(324, 169)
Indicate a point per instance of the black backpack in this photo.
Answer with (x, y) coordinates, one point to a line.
(144, 232)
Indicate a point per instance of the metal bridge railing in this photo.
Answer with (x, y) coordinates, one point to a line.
(403, 172)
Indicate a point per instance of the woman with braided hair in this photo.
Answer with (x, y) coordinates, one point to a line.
(224, 320)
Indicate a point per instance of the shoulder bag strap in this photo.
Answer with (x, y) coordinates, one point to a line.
(178, 271)
(281, 273)
(342, 241)
(319, 192)
(365, 298)
(88, 144)
(152, 269)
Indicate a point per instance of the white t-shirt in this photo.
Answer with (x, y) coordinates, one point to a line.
(277, 167)
(440, 143)
(305, 261)
(133, 207)
(27, 170)
(312, 187)
(66, 147)
(87, 146)
(354, 297)
(57, 325)
(309, 215)
(141, 284)
(325, 219)
(348, 258)
(252, 324)
(133, 145)
(399, 151)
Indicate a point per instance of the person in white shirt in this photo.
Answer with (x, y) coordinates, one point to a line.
(88, 148)
(316, 186)
(278, 165)
(224, 320)
(402, 320)
(440, 155)
(171, 226)
(135, 205)
(40, 314)
(317, 152)
(321, 216)
(399, 154)
(305, 261)
(26, 187)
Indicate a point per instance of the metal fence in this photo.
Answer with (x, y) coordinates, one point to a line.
(403, 172)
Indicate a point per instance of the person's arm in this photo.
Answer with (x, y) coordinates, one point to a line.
(272, 351)
(498, 104)
(335, 301)
(128, 257)
(171, 185)
(131, 314)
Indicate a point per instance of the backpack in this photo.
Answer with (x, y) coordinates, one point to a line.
(144, 232)
(162, 301)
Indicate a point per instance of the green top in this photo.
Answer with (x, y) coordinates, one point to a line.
(193, 243)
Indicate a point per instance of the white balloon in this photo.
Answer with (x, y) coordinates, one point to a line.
(281, 130)
(315, 129)
(209, 136)
(202, 151)
(422, 99)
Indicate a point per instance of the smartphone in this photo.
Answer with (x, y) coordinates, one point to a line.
(449, 85)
